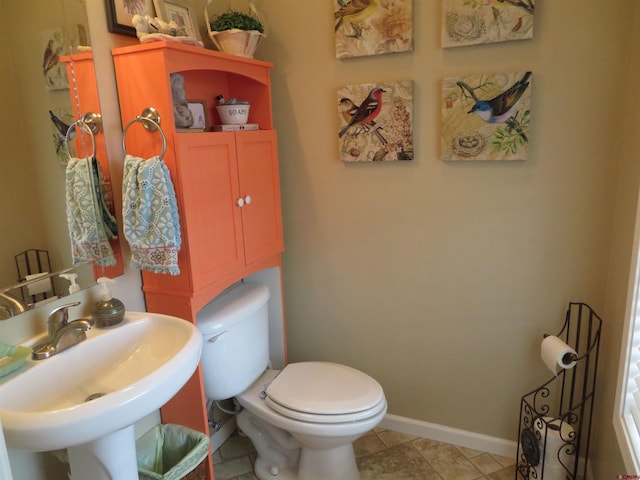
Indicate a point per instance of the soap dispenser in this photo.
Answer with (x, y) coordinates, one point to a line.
(107, 311)
(74, 287)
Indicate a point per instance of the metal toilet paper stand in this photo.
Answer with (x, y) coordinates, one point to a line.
(555, 418)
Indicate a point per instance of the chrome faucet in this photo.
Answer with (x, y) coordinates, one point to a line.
(11, 306)
(59, 317)
(62, 333)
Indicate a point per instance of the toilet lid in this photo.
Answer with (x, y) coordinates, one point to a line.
(322, 388)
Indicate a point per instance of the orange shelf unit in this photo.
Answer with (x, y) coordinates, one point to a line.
(227, 183)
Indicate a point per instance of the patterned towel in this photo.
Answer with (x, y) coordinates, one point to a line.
(105, 200)
(150, 215)
(89, 232)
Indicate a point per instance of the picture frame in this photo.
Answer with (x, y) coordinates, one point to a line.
(197, 118)
(198, 109)
(119, 18)
(169, 11)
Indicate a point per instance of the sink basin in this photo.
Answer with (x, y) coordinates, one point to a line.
(100, 386)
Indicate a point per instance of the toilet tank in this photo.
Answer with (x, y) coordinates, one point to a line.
(235, 331)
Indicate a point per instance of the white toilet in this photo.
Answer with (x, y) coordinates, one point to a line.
(302, 419)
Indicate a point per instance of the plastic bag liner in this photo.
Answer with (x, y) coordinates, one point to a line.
(169, 452)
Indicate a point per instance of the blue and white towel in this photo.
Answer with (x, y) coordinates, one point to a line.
(150, 215)
(104, 196)
(89, 229)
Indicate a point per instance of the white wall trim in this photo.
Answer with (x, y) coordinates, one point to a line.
(454, 436)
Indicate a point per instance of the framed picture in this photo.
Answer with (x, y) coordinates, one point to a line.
(174, 12)
(191, 117)
(199, 111)
(120, 13)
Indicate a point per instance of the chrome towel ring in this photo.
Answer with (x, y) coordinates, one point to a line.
(83, 125)
(150, 120)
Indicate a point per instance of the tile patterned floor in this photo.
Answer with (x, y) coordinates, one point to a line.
(385, 455)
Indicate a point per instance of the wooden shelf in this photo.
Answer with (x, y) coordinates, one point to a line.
(227, 184)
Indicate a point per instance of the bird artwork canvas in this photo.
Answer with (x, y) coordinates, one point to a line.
(486, 117)
(472, 22)
(61, 119)
(56, 43)
(376, 122)
(372, 27)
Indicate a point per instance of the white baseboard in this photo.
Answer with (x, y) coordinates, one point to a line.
(418, 428)
(454, 436)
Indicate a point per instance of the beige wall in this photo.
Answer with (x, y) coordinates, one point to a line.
(439, 279)
(25, 121)
(620, 257)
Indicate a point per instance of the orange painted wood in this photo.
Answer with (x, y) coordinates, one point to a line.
(211, 219)
(223, 242)
(81, 71)
(259, 180)
(161, 300)
(186, 407)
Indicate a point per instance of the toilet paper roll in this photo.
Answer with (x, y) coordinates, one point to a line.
(39, 286)
(555, 438)
(555, 353)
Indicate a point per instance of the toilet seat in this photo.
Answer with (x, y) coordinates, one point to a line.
(323, 392)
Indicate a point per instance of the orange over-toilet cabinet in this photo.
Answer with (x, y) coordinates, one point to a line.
(231, 193)
(227, 184)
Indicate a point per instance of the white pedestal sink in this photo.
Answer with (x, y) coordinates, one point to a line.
(88, 398)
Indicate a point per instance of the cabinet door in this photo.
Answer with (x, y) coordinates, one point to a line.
(208, 189)
(259, 179)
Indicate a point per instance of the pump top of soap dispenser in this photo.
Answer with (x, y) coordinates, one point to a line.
(105, 293)
(107, 311)
(74, 287)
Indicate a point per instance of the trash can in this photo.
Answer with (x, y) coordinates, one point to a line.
(169, 452)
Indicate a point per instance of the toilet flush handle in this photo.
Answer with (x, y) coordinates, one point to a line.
(215, 338)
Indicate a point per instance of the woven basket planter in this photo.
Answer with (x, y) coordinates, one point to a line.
(242, 43)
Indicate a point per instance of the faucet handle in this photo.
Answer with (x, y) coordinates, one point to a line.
(59, 317)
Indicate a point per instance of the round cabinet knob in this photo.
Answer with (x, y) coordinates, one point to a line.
(247, 199)
(240, 202)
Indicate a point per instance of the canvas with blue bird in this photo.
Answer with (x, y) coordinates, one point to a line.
(486, 117)
(61, 119)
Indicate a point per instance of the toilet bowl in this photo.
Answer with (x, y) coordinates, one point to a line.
(324, 438)
(302, 419)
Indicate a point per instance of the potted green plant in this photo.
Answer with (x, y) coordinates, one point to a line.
(235, 32)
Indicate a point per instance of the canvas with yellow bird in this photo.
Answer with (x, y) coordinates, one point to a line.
(351, 13)
(372, 27)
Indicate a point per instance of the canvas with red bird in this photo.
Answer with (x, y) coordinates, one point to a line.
(376, 122)
(472, 22)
